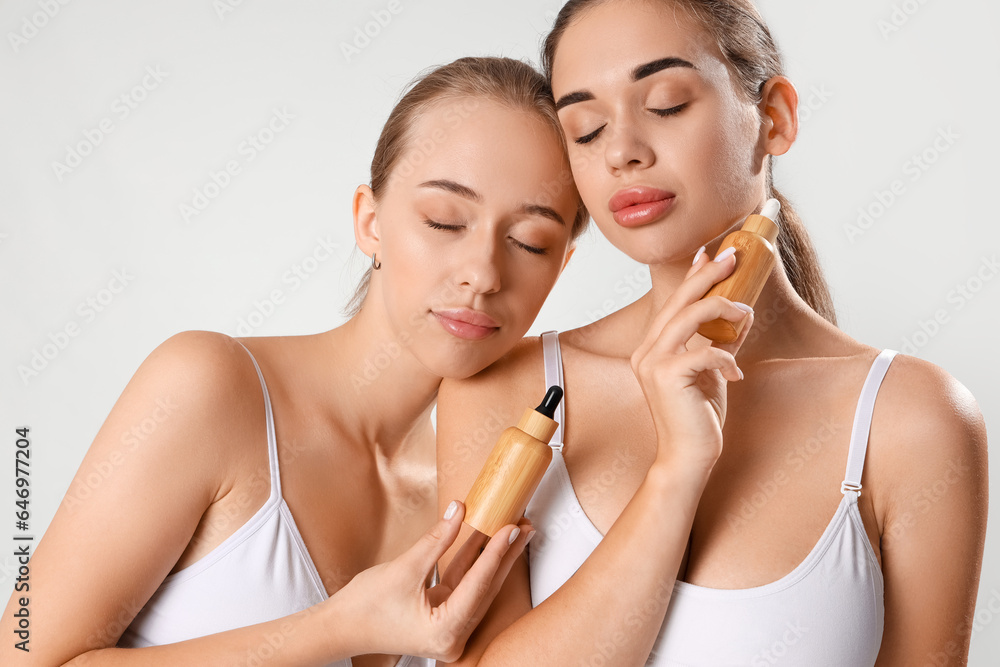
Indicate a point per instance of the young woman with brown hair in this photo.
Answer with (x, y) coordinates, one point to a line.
(647, 553)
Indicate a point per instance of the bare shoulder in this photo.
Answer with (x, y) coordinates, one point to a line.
(198, 386)
(926, 424)
(503, 388)
(472, 413)
(202, 358)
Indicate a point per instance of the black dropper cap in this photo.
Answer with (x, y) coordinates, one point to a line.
(551, 400)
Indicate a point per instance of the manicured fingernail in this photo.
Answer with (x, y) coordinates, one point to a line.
(530, 535)
(701, 251)
(742, 306)
(513, 535)
(740, 371)
(725, 254)
(450, 512)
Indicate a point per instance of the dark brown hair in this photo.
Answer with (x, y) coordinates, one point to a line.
(753, 59)
(506, 81)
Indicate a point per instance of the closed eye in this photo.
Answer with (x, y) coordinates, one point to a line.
(663, 113)
(529, 248)
(438, 225)
(590, 137)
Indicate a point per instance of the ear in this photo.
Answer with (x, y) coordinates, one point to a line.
(779, 108)
(366, 228)
(569, 253)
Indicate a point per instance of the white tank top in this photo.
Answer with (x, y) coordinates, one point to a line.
(261, 572)
(828, 611)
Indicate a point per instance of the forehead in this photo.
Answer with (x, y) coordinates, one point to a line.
(478, 136)
(483, 144)
(608, 41)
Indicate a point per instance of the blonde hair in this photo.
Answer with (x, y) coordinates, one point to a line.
(506, 81)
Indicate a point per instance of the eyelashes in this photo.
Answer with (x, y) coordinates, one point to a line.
(586, 139)
(662, 113)
(672, 111)
(455, 228)
(438, 225)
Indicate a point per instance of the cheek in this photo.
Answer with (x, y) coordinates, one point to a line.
(726, 162)
(590, 177)
(528, 292)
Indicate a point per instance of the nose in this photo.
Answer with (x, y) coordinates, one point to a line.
(480, 266)
(627, 149)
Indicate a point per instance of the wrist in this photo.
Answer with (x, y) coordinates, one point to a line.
(343, 636)
(675, 472)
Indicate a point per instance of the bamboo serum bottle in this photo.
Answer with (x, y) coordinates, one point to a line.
(515, 467)
(756, 256)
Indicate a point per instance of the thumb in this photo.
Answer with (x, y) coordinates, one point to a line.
(433, 544)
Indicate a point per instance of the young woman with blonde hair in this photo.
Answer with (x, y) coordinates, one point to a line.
(270, 517)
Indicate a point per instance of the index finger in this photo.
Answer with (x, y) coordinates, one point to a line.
(705, 274)
(482, 581)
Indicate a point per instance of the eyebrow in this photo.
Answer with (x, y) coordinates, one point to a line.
(642, 71)
(466, 192)
(454, 188)
(639, 73)
(543, 211)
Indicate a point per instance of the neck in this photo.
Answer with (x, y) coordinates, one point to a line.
(779, 313)
(384, 394)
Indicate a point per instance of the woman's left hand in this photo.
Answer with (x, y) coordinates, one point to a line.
(392, 611)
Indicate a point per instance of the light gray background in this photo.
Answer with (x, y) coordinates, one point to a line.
(874, 99)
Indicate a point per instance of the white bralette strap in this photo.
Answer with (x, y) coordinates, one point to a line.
(554, 376)
(272, 441)
(863, 422)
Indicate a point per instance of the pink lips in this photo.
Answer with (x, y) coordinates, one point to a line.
(634, 207)
(466, 323)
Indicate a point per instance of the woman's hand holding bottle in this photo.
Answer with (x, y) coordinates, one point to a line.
(389, 608)
(684, 381)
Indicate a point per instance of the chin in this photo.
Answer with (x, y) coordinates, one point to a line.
(654, 244)
(459, 359)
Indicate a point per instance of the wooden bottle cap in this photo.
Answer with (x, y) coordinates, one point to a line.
(762, 226)
(537, 425)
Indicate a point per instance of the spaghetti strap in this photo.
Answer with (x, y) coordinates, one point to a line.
(552, 357)
(272, 442)
(863, 422)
